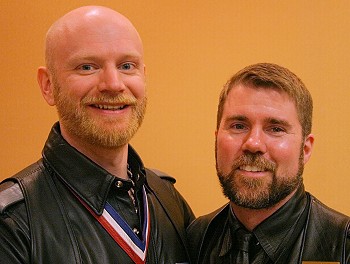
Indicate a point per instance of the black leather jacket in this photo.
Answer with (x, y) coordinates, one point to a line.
(325, 236)
(50, 225)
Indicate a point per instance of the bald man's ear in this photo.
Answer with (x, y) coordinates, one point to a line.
(144, 70)
(45, 84)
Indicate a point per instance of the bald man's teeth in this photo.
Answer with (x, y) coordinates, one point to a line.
(110, 107)
(251, 168)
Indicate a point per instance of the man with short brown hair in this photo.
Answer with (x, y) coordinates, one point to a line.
(263, 141)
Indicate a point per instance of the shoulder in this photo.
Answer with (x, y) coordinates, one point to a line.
(10, 194)
(202, 230)
(162, 186)
(328, 214)
(326, 218)
(327, 232)
(161, 183)
(10, 189)
(202, 223)
(161, 174)
(156, 175)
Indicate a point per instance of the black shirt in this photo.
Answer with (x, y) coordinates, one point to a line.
(269, 238)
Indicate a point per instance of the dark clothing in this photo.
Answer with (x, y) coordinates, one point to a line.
(302, 230)
(51, 224)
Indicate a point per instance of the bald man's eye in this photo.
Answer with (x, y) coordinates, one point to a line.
(127, 66)
(87, 67)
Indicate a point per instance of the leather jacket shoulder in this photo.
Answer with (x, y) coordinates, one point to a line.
(10, 193)
(202, 230)
(327, 236)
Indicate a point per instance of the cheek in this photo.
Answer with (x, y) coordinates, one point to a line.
(286, 155)
(227, 150)
(76, 87)
(137, 86)
(74, 96)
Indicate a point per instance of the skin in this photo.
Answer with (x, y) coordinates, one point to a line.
(95, 67)
(260, 121)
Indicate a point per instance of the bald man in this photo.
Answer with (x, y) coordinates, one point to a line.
(90, 199)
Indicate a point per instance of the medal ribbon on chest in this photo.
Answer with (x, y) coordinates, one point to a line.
(121, 232)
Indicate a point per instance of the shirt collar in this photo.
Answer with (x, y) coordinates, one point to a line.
(274, 229)
(87, 179)
(230, 227)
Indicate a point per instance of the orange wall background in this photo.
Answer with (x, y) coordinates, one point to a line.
(192, 48)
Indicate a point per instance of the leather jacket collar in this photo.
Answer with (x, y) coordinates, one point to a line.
(85, 178)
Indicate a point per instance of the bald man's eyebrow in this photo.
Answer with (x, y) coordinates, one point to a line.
(236, 118)
(81, 58)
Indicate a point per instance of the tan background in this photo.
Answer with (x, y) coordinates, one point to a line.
(192, 48)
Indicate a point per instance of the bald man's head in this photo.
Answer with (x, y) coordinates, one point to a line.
(86, 20)
(95, 76)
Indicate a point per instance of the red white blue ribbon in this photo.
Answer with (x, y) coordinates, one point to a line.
(121, 232)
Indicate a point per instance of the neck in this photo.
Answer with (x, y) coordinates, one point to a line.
(251, 218)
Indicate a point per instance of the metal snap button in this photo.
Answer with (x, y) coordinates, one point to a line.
(119, 184)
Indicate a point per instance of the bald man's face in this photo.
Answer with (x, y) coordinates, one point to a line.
(99, 79)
